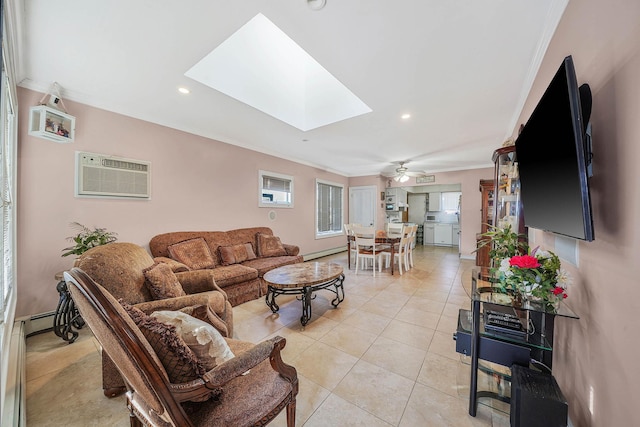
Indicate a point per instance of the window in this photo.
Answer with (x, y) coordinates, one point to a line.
(8, 160)
(276, 190)
(329, 209)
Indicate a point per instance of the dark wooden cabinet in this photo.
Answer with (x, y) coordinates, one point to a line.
(508, 205)
(487, 212)
(501, 204)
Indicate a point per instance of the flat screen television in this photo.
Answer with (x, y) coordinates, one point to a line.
(554, 154)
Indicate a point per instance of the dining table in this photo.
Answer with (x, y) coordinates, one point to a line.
(382, 237)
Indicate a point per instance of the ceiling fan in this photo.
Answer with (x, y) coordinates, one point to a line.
(402, 173)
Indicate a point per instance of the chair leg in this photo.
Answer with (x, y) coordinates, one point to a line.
(291, 414)
(373, 260)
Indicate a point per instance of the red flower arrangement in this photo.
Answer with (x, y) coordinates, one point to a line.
(558, 291)
(536, 276)
(524, 261)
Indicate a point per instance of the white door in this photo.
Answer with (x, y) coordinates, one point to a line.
(362, 205)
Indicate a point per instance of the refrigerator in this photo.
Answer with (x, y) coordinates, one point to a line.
(417, 207)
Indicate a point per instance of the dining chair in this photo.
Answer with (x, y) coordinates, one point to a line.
(348, 231)
(411, 244)
(400, 254)
(366, 247)
(394, 228)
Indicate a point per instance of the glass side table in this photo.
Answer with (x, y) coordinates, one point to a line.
(66, 316)
(474, 340)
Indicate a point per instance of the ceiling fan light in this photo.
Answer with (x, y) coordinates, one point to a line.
(397, 178)
(404, 178)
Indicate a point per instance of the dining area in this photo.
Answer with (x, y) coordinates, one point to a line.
(373, 249)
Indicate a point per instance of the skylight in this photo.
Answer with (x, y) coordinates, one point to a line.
(264, 68)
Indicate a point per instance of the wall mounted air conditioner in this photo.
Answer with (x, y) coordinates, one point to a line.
(99, 175)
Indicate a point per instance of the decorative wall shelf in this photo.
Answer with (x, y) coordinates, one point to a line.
(49, 123)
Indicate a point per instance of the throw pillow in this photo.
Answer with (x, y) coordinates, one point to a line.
(202, 338)
(269, 246)
(161, 282)
(236, 254)
(179, 361)
(194, 253)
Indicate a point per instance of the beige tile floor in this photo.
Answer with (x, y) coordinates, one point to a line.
(384, 357)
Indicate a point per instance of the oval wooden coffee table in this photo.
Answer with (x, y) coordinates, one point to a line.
(304, 279)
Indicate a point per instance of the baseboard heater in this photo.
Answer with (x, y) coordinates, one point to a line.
(326, 252)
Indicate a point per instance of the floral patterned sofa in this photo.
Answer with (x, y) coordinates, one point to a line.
(237, 259)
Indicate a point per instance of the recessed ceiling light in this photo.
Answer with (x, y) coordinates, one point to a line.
(316, 4)
(405, 116)
(183, 90)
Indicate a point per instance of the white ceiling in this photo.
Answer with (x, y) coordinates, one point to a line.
(462, 69)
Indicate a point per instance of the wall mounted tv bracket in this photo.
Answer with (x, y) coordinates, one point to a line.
(586, 103)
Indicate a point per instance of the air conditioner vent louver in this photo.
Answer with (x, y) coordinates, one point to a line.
(98, 175)
(120, 164)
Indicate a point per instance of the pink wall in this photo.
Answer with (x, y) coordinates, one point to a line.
(595, 360)
(197, 184)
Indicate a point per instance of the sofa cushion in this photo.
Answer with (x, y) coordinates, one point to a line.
(180, 363)
(161, 282)
(232, 274)
(203, 339)
(194, 253)
(266, 264)
(269, 246)
(236, 254)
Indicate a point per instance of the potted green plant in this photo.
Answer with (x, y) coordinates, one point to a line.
(504, 243)
(87, 239)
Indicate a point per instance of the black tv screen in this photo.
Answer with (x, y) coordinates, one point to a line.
(552, 159)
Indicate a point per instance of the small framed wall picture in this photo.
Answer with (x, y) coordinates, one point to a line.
(424, 179)
(382, 195)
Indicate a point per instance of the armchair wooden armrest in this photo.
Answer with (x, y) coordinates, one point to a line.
(216, 378)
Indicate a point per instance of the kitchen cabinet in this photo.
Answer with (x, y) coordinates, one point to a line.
(429, 233)
(455, 235)
(451, 201)
(396, 195)
(435, 202)
(442, 234)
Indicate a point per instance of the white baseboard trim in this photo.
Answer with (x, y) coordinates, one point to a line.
(14, 413)
(326, 252)
(14, 406)
(472, 257)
